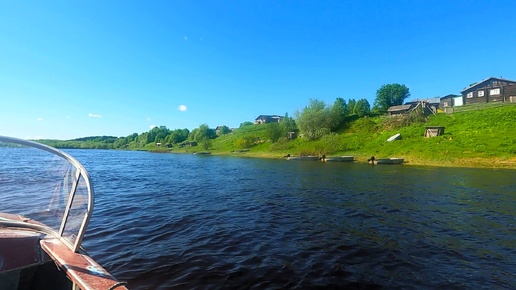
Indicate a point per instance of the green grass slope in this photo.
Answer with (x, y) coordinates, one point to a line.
(474, 137)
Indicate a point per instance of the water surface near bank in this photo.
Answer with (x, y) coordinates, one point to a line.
(175, 221)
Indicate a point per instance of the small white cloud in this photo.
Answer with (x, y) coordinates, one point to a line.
(94, 115)
(39, 119)
(182, 108)
(152, 126)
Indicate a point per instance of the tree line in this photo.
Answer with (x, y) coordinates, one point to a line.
(314, 121)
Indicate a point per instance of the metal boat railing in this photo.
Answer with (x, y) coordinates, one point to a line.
(80, 174)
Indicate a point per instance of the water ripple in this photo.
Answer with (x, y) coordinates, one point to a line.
(165, 221)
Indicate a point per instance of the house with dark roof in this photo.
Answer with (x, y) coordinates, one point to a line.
(427, 106)
(490, 90)
(220, 129)
(400, 110)
(431, 103)
(450, 100)
(262, 119)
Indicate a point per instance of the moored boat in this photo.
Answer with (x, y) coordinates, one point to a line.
(338, 159)
(47, 201)
(389, 161)
(303, 158)
(202, 153)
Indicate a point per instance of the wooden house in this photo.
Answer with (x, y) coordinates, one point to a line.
(262, 119)
(427, 106)
(399, 110)
(490, 90)
(430, 103)
(220, 129)
(448, 101)
(187, 144)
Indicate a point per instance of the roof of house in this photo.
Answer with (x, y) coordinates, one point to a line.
(486, 80)
(267, 116)
(399, 108)
(429, 100)
(449, 96)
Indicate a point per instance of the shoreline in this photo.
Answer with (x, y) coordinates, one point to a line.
(469, 162)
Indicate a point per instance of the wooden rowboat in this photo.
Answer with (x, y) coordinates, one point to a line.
(338, 159)
(303, 158)
(389, 161)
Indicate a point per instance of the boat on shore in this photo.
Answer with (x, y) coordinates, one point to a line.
(338, 159)
(389, 161)
(322, 158)
(302, 158)
(394, 137)
(47, 201)
(202, 153)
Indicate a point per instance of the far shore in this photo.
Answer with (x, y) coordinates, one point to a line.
(473, 162)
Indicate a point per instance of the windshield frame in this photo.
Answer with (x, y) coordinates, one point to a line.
(80, 172)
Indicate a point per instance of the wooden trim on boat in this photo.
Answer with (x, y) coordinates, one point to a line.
(81, 269)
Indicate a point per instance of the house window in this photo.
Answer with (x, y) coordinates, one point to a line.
(445, 104)
(480, 93)
(494, 92)
(469, 95)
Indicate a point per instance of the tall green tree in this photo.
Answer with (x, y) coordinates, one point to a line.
(193, 133)
(288, 124)
(390, 95)
(315, 120)
(203, 133)
(338, 112)
(206, 143)
(351, 106)
(177, 136)
(224, 130)
(362, 108)
(274, 131)
(277, 130)
(246, 123)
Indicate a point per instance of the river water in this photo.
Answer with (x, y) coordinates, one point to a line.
(176, 221)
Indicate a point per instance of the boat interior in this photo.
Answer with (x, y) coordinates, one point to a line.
(47, 204)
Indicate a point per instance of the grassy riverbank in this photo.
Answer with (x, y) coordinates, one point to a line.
(474, 137)
(482, 135)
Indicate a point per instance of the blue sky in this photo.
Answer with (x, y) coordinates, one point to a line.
(72, 69)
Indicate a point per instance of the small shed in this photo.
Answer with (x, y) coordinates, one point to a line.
(399, 110)
(447, 101)
(291, 135)
(433, 131)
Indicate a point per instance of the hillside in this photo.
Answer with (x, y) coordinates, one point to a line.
(475, 136)
(484, 137)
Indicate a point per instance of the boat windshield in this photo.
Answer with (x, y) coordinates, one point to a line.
(46, 189)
